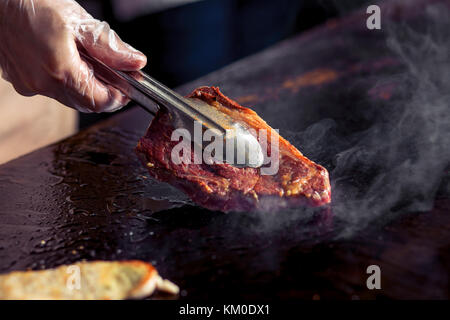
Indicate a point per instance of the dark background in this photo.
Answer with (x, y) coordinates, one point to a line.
(191, 40)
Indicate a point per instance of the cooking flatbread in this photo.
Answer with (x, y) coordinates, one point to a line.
(98, 280)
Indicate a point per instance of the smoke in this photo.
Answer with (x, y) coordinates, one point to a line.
(396, 164)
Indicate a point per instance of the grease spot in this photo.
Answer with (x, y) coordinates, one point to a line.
(312, 78)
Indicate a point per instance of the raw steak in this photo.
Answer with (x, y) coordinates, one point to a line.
(223, 187)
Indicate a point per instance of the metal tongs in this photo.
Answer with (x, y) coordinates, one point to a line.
(152, 95)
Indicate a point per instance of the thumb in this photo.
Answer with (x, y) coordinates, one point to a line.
(103, 43)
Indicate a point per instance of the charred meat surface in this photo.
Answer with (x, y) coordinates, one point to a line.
(223, 187)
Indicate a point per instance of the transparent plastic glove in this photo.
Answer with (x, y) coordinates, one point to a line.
(39, 43)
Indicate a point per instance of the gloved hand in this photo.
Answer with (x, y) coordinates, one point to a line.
(39, 42)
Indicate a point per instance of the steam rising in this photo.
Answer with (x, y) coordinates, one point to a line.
(394, 165)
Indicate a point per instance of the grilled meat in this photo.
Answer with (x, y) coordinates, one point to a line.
(223, 187)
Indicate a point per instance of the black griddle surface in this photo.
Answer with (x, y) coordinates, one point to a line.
(88, 197)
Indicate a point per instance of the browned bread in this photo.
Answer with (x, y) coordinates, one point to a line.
(86, 280)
